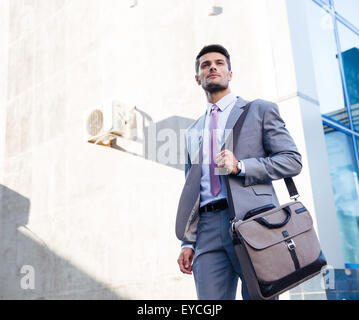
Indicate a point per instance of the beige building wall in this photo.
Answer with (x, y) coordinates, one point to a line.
(96, 222)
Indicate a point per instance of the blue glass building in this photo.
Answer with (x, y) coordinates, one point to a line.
(340, 113)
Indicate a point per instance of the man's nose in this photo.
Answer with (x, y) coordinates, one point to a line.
(213, 67)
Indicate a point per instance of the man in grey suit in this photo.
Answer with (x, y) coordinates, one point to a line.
(222, 178)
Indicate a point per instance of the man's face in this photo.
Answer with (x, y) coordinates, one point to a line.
(213, 74)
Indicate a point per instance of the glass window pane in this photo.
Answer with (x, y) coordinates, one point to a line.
(349, 9)
(325, 62)
(349, 43)
(346, 191)
(323, 2)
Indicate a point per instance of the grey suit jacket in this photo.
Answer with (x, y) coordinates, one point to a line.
(267, 151)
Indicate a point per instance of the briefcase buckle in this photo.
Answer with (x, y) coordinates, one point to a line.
(233, 225)
(291, 245)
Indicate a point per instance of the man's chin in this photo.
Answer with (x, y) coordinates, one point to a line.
(214, 87)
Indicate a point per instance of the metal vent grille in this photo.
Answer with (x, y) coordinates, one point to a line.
(95, 122)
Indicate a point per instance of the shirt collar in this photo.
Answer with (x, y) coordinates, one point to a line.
(223, 103)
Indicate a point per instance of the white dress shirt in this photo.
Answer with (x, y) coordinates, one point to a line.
(225, 106)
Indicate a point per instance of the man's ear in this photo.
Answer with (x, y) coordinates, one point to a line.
(230, 75)
(197, 79)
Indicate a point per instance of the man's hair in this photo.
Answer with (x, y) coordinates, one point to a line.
(213, 48)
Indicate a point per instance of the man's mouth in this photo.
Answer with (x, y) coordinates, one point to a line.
(212, 76)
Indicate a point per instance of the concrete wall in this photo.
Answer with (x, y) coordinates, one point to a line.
(97, 222)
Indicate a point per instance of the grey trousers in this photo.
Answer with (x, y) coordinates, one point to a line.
(216, 268)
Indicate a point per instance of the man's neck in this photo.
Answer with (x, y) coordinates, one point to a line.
(216, 96)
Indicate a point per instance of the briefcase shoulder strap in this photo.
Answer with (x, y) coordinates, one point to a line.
(289, 182)
(292, 189)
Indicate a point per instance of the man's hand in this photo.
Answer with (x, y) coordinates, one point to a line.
(226, 159)
(185, 260)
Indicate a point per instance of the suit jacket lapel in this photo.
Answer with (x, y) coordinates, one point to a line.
(196, 138)
(200, 128)
(235, 113)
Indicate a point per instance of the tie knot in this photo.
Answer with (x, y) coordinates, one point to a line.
(215, 108)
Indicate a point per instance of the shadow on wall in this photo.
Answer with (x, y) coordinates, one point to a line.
(163, 141)
(28, 269)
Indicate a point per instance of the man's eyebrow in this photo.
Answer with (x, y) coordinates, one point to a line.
(205, 61)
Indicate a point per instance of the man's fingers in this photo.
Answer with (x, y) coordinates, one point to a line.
(181, 262)
(185, 262)
(224, 163)
(224, 154)
(225, 159)
(220, 158)
(220, 154)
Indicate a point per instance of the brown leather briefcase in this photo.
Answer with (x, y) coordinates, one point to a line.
(277, 247)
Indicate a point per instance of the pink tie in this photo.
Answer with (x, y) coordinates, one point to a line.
(215, 183)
